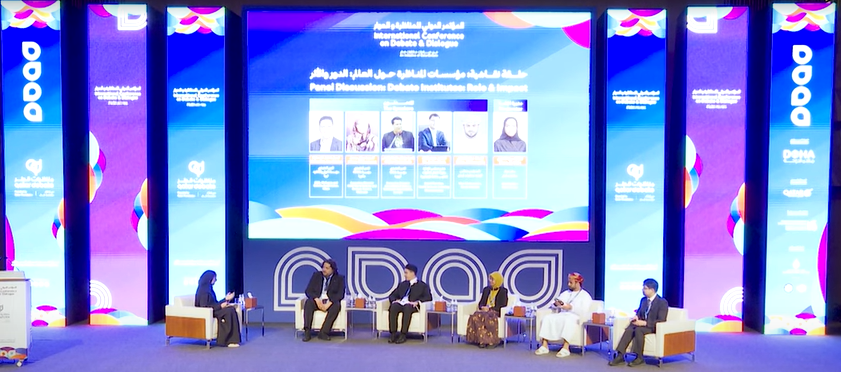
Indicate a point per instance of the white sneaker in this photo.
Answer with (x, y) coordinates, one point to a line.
(233, 345)
(541, 351)
(563, 353)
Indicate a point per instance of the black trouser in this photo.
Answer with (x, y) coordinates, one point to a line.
(396, 309)
(638, 335)
(332, 313)
(228, 326)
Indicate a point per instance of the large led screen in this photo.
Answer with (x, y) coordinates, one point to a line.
(714, 169)
(802, 56)
(405, 126)
(196, 141)
(117, 164)
(32, 131)
(635, 164)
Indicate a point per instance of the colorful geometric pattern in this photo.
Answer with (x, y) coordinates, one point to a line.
(736, 220)
(25, 14)
(58, 225)
(630, 22)
(805, 323)
(10, 353)
(10, 246)
(187, 20)
(799, 16)
(340, 222)
(96, 166)
(692, 169)
(704, 20)
(822, 263)
(115, 317)
(575, 25)
(48, 316)
(139, 219)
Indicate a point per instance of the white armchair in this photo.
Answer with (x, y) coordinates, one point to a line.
(184, 319)
(318, 318)
(674, 336)
(419, 324)
(464, 312)
(579, 339)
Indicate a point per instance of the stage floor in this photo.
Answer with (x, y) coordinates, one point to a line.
(87, 348)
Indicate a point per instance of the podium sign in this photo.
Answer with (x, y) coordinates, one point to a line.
(15, 322)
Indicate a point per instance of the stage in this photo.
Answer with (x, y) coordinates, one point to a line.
(111, 349)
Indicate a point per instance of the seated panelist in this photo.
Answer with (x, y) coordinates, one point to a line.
(483, 325)
(653, 309)
(406, 300)
(325, 292)
(224, 311)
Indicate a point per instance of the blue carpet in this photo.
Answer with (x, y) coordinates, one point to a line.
(88, 348)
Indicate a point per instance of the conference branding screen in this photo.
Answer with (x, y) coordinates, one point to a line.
(802, 53)
(195, 58)
(714, 168)
(117, 163)
(439, 126)
(34, 162)
(635, 153)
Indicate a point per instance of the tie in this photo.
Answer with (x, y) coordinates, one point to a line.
(407, 291)
(647, 309)
(326, 283)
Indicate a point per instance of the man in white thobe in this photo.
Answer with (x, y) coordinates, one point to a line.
(573, 308)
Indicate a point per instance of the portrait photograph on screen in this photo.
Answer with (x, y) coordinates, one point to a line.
(362, 133)
(455, 126)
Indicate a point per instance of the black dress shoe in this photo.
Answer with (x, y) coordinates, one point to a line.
(323, 336)
(401, 339)
(619, 359)
(638, 361)
(481, 346)
(307, 336)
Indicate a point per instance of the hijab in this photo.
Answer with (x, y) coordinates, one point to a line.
(497, 277)
(205, 286)
(361, 141)
(515, 137)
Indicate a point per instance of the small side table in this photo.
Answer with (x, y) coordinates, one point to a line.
(601, 328)
(452, 315)
(353, 310)
(247, 319)
(530, 331)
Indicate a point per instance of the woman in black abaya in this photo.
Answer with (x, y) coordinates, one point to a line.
(224, 311)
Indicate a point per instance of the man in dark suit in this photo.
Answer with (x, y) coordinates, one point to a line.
(653, 309)
(406, 300)
(325, 292)
(431, 137)
(327, 142)
(398, 138)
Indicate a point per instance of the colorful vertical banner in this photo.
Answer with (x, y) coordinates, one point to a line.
(117, 164)
(635, 164)
(196, 135)
(34, 160)
(802, 52)
(714, 170)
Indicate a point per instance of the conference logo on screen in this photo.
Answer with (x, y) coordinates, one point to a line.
(34, 185)
(629, 189)
(798, 156)
(196, 186)
(801, 95)
(32, 110)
